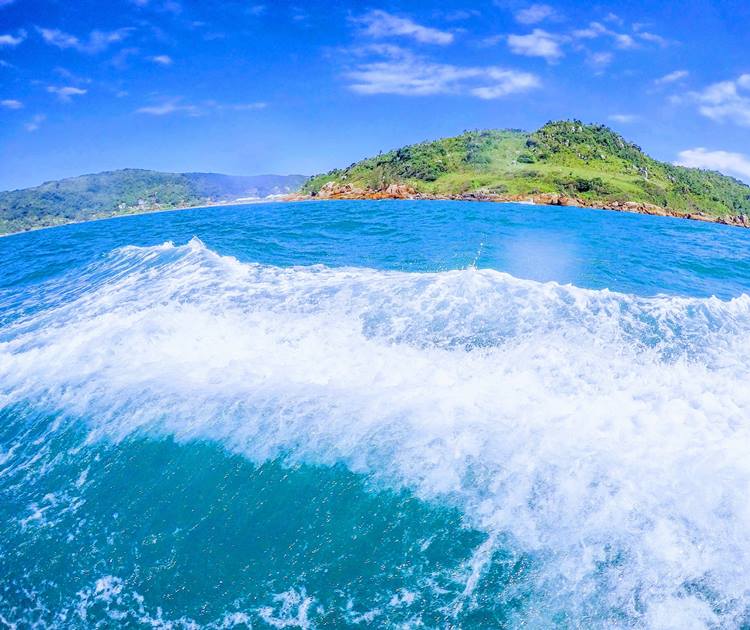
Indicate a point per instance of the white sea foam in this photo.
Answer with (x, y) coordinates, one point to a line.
(605, 433)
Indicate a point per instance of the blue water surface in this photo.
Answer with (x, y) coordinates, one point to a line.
(596, 249)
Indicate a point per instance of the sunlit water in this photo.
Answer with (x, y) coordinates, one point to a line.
(388, 414)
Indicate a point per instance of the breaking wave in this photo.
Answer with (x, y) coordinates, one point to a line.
(603, 432)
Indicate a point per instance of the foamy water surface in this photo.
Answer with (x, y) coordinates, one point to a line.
(474, 420)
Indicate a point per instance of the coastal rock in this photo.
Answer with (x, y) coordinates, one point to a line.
(400, 191)
(333, 190)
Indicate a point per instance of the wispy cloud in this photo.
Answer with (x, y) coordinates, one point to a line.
(623, 118)
(162, 60)
(538, 43)
(534, 14)
(35, 122)
(461, 14)
(600, 60)
(122, 59)
(724, 161)
(726, 101)
(173, 106)
(169, 107)
(165, 6)
(621, 40)
(613, 18)
(65, 93)
(592, 31)
(380, 24)
(11, 103)
(208, 106)
(672, 77)
(406, 74)
(653, 38)
(69, 76)
(95, 42)
(12, 40)
(246, 107)
(552, 46)
(5, 3)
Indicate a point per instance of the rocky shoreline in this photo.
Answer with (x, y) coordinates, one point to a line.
(332, 190)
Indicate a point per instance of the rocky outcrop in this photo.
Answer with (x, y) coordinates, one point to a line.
(334, 190)
(741, 220)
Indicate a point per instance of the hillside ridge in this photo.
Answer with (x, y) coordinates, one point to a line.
(129, 191)
(562, 163)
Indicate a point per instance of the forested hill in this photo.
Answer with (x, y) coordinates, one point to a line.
(585, 164)
(129, 191)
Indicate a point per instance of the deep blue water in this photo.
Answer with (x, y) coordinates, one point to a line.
(390, 414)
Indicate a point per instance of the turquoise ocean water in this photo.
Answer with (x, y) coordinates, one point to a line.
(376, 414)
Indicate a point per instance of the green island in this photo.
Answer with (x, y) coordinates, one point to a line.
(562, 163)
(130, 191)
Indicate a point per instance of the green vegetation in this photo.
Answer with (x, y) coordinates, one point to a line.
(569, 158)
(128, 191)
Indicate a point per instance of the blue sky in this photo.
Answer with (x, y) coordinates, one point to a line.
(248, 87)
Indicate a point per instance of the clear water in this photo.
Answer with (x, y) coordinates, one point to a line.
(389, 414)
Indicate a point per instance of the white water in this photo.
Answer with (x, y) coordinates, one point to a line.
(606, 433)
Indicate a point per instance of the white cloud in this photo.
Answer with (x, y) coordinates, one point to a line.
(122, 58)
(672, 77)
(12, 40)
(69, 76)
(162, 60)
(65, 93)
(246, 107)
(538, 43)
(409, 75)
(168, 107)
(592, 31)
(724, 161)
(169, 6)
(614, 18)
(505, 82)
(600, 60)
(57, 38)
(11, 103)
(654, 38)
(534, 14)
(175, 106)
(97, 41)
(381, 24)
(726, 101)
(621, 40)
(623, 118)
(35, 122)
(461, 14)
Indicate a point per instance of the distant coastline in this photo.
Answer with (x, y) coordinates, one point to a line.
(123, 215)
(131, 191)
